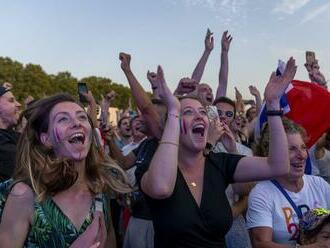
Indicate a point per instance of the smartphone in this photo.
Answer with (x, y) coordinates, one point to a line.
(212, 112)
(310, 57)
(82, 88)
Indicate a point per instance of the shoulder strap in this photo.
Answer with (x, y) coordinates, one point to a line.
(280, 188)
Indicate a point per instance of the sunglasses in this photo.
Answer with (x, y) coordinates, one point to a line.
(228, 113)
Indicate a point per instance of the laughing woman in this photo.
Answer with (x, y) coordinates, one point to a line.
(57, 197)
(186, 188)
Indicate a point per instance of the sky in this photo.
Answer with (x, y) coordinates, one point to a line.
(85, 37)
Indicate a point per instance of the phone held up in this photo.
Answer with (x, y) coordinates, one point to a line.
(82, 88)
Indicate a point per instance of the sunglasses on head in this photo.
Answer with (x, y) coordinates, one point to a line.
(227, 113)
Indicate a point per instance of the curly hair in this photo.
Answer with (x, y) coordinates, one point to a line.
(290, 127)
(47, 174)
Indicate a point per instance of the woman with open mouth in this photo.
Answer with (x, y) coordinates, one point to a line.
(185, 186)
(277, 206)
(58, 195)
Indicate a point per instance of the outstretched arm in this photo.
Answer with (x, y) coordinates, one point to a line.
(277, 163)
(199, 69)
(223, 74)
(141, 98)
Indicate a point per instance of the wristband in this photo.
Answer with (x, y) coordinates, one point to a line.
(174, 115)
(274, 112)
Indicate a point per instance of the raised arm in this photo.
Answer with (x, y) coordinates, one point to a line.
(141, 98)
(159, 180)
(239, 102)
(255, 92)
(277, 163)
(92, 107)
(199, 69)
(223, 73)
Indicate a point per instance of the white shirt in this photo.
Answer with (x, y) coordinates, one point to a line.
(268, 207)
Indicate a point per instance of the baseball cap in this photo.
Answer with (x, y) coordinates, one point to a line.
(3, 90)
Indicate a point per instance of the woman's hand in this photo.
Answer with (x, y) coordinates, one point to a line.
(228, 139)
(95, 234)
(172, 103)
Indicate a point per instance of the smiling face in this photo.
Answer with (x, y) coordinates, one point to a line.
(9, 110)
(124, 128)
(194, 125)
(297, 155)
(205, 94)
(138, 128)
(69, 131)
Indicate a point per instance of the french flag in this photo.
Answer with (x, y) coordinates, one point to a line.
(305, 103)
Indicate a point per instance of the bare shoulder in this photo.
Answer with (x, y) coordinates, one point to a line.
(21, 199)
(22, 190)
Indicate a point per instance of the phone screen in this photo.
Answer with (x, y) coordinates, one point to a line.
(82, 88)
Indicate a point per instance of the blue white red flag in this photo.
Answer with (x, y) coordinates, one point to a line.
(305, 103)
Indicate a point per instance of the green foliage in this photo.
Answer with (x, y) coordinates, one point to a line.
(33, 80)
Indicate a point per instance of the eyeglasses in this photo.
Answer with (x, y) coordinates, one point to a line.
(228, 113)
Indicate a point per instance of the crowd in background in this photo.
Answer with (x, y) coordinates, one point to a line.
(185, 169)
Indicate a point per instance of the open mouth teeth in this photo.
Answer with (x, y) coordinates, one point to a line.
(199, 129)
(209, 99)
(77, 138)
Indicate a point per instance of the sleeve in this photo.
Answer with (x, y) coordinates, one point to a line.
(259, 211)
(227, 164)
(324, 187)
(144, 158)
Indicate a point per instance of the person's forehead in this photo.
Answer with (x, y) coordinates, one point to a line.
(204, 87)
(7, 95)
(189, 102)
(66, 107)
(224, 105)
(295, 139)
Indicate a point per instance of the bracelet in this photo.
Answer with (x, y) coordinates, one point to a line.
(168, 142)
(274, 112)
(174, 115)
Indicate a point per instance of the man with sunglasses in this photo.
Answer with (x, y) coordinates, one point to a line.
(226, 109)
(237, 193)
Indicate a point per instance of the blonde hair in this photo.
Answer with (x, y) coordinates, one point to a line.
(47, 174)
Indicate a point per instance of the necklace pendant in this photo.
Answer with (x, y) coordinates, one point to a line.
(193, 184)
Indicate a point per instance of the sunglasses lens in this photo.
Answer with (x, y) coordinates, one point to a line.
(229, 114)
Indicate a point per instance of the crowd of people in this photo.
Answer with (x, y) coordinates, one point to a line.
(186, 169)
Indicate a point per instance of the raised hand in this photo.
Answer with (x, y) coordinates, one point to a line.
(227, 139)
(215, 131)
(209, 41)
(110, 96)
(225, 41)
(238, 94)
(152, 77)
(254, 91)
(92, 236)
(185, 86)
(165, 94)
(125, 61)
(89, 97)
(7, 85)
(277, 84)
